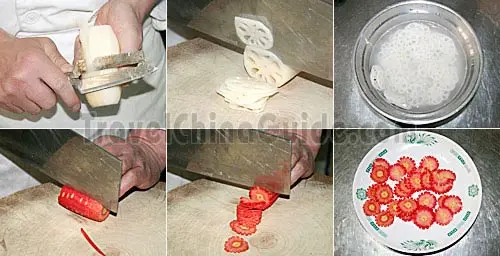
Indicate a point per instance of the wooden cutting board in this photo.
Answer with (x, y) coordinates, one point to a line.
(33, 223)
(199, 214)
(197, 68)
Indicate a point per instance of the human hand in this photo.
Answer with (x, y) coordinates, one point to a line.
(305, 147)
(143, 157)
(32, 75)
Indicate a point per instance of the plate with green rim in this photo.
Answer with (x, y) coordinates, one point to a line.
(404, 236)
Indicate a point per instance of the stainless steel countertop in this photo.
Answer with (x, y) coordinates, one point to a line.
(350, 148)
(351, 111)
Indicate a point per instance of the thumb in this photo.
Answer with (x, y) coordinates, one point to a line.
(129, 38)
(55, 56)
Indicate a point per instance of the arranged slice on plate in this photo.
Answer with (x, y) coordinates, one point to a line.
(417, 192)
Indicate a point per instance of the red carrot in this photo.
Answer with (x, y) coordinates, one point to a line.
(82, 204)
(91, 242)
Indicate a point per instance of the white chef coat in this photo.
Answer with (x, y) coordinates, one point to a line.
(142, 104)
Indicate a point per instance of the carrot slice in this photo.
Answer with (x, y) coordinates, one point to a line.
(384, 219)
(407, 162)
(381, 162)
(429, 162)
(403, 189)
(406, 217)
(424, 217)
(257, 193)
(416, 181)
(441, 200)
(454, 203)
(427, 199)
(82, 204)
(372, 190)
(252, 204)
(235, 244)
(407, 206)
(248, 216)
(451, 176)
(443, 216)
(393, 208)
(91, 242)
(242, 228)
(397, 172)
(379, 174)
(427, 179)
(371, 208)
(384, 194)
(442, 188)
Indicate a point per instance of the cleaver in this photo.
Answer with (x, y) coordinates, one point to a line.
(241, 157)
(68, 158)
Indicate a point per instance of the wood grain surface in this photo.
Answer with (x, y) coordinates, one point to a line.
(199, 214)
(33, 223)
(197, 68)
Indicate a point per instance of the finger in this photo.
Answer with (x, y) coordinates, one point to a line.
(51, 50)
(59, 83)
(11, 108)
(27, 105)
(41, 95)
(129, 180)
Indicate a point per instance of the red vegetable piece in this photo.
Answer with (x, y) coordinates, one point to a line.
(82, 204)
(407, 206)
(242, 228)
(372, 190)
(384, 194)
(407, 162)
(91, 242)
(393, 208)
(379, 174)
(381, 162)
(454, 203)
(443, 216)
(427, 180)
(443, 177)
(441, 200)
(384, 219)
(416, 181)
(248, 216)
(429, 162)
(406, 217)
(261, 194)
(235, 244)
(397, 172)
(403, 189)
(427, 199)
(252, 204)
(442, 188)
(371, 208)
(424, 217)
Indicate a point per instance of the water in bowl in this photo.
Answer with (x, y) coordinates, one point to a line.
(418, 66)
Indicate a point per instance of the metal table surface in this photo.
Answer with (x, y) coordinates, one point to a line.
(350, 148)
(351, 111)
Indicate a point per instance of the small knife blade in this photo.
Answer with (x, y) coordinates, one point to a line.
(236, 156)
(68, 158)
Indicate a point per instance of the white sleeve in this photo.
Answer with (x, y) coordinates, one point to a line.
(159, 15)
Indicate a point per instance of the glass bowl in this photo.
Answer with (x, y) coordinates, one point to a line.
(440, 17)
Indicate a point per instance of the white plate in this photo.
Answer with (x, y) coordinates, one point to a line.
(406, 236)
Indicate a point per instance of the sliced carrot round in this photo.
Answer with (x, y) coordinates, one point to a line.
(252, 204)
(393, 208)
(257, 193)
(248, 216)
(407, 206)
(407, 162)
(242, 228)
(442, 177)
(454, 203)
(397, 172)
(371, 208)
(384, 219)
(235, 244)
(442, 188)
(372, 190)
(381, 162)
(403, 189)
(424, 217)
(416, 181)
(384, 194)
(379, 174)
(427, 199)
(406, 217)
(429, 162)
(443, 216)
(441, 200)
(427, 179)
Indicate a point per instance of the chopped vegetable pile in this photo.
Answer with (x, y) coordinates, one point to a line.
(82, 204)
(418, 196)
(248, 216)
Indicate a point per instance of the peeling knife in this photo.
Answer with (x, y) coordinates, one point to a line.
(237, 157)
(106, 80)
